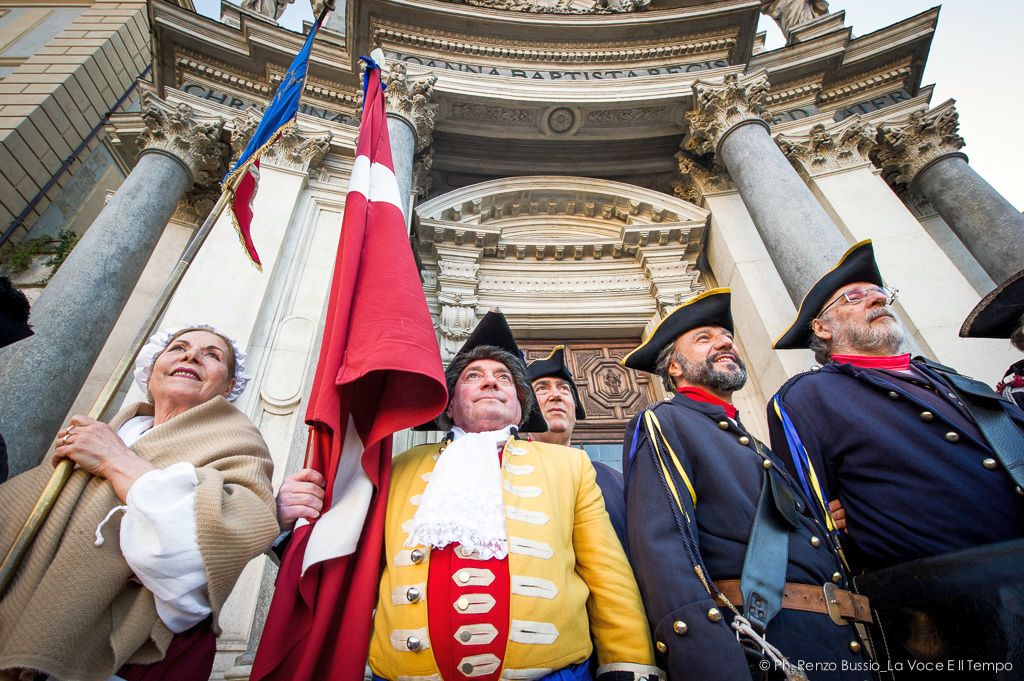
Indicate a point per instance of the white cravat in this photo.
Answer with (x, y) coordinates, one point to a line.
(463, 502)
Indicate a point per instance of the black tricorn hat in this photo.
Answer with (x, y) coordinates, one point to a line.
(998, 313)
(14, 311)
(494, 331)
(554, 365)
(710, 308)
(857, 264)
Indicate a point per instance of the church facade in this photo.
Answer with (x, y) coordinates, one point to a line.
(584, 165)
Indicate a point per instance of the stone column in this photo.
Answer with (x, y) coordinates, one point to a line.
(834, 159)
(410, 124)
(40, 377)
(730, 119)
(761, 307)
(923, 153)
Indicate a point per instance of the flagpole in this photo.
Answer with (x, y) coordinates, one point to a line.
(62, 472)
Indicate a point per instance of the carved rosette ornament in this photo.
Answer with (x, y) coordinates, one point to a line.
(175, 130)
(697, 180)
(826, 149)
(907, 148)
(410, 99)
(720, 106)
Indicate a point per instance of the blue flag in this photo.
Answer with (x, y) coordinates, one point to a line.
(243, 178)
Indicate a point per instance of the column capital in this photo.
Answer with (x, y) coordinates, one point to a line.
(907, 147)
(296, 149)
(197, 142)
(721, 106)
(409, 99)
(829, 148)
(697, 180)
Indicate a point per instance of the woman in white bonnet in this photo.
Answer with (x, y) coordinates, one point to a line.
(103, 595)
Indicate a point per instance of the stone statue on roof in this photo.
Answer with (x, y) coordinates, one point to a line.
(272, 9)
(789, 14)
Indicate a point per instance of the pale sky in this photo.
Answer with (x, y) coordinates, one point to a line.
(974, 59)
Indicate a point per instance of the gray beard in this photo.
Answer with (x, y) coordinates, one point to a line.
(707, 374)
(883, 340)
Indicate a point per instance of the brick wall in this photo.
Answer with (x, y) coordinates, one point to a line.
(52, 101)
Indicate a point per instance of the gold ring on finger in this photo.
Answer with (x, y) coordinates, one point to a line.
(64, 440)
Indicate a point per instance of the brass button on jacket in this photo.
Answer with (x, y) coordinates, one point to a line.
(724, 425)
(680, 627)
(894, 395)
(766, 464)
(714, 615)
(662, 648)
(854, 647)
(990, 464)
(744, 440)
(815, 542)
(927, 416)
(952, 436)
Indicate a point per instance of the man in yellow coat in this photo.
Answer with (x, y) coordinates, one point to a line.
(501, 562)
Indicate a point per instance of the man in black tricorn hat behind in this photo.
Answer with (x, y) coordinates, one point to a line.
(925, 467)
(559, 400)
(500, 559)
(738, 577)
(1000, 314)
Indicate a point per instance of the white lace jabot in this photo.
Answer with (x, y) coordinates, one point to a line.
(463, 501)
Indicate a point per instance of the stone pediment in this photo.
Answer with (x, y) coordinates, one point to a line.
(559, 218)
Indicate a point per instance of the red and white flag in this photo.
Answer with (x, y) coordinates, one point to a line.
(379, 372)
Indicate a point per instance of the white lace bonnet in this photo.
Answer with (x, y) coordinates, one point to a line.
(160, 340)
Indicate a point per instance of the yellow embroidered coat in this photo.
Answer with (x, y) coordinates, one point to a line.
(569, 575)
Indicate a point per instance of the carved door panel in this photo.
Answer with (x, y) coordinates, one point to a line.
(610, 392)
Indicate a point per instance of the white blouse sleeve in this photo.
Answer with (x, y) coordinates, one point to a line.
(158, 540)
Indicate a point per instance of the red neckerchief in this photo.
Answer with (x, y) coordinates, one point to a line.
(700, 395)
(894, 362)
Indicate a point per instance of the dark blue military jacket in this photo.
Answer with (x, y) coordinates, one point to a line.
(727, 477)
(612, 488)
(907, 463)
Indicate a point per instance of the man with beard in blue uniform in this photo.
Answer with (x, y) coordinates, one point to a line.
(890, 437)
(924, 465)
(717, 527)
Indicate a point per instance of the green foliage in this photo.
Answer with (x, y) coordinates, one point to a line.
(18, 259)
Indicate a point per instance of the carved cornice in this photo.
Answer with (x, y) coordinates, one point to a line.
(720, 106)
(176, 131)
(861, 86)
(803, 90)
(410, 99)
(828, 148)
(907, 147)
(563, 6)
(696, 180)
(633, 51)
(232, 78)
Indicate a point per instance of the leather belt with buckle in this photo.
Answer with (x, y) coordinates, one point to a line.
(840, 605)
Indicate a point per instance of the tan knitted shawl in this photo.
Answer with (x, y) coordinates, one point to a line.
(74, 609)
